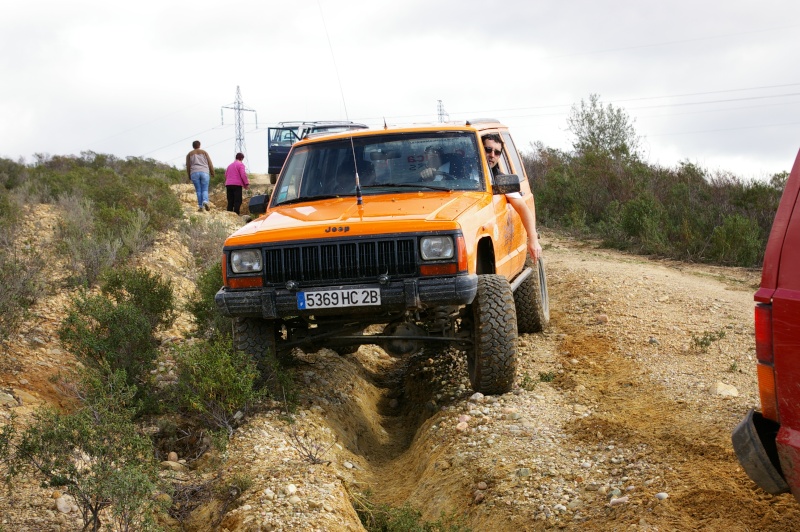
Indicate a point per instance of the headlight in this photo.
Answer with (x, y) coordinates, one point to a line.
(246, 261)
(436, 247)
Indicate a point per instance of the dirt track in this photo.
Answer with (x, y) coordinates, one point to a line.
(617, 395)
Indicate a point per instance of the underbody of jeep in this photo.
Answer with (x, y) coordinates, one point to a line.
(388, 258)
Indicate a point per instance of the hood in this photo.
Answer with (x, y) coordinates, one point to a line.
(385, 214)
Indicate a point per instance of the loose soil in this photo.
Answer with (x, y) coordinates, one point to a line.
(614, 403)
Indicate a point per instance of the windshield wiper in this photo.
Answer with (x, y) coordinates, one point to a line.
(408, 185)
(307, 198)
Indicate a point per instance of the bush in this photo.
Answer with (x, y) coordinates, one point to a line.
(145, 290)
(20, 277)
(211, 324)
(205, 238)
(108, 336)
(737, 242)
(115, 330)
(641, 220)
(216, 384)
(96, 453)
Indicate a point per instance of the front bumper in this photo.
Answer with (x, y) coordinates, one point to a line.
(405, 294)
(754, 441)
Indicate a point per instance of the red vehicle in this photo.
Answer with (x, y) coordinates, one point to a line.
(767, 443)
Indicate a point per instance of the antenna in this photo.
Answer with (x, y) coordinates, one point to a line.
(359, 198)
(238, 107)
(443, 116)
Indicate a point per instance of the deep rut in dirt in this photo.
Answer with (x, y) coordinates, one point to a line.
(387, 406)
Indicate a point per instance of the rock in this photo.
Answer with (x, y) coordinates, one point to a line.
(173, 456)
(726, 390)
(290, 489)
(662, 495)
(7, 400)
(482, 485)
(172, 466)
(462, 427)
(618, 501)
(65, 503)
(294, 500)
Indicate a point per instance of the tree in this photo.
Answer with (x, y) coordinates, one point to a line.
(603, 129)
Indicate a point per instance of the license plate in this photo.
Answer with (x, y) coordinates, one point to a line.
(356, 297)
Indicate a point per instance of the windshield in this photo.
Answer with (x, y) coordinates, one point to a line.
(283, 136)
(395, 164)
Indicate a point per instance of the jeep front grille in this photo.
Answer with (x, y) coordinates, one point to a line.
(345, 261)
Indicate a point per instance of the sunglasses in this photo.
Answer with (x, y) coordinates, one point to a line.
(496, 151)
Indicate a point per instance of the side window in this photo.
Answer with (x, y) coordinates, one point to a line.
(511, 153)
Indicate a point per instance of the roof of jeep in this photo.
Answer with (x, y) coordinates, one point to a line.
(476, 125)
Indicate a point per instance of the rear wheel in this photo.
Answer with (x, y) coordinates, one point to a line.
(532, 301)
(492, 359)
(273, 178)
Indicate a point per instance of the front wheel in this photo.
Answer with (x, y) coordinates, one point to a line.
(532, 301)
(256, 337)
(492, 359)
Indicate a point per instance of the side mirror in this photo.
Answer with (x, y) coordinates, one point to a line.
(258, 204)
(506, 184)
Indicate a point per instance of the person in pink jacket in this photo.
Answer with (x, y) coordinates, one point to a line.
(235, 180)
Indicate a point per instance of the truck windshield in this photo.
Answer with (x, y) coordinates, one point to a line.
(417, 161)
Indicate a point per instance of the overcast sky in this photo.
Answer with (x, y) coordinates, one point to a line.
(710, 82)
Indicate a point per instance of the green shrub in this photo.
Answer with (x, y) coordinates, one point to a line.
(115, 330)
(109, 336)
(641, 219)
(96, 453)
(216, 384)
(210, 323)
(145, 290)
(89, 249)
(737, 241)
(204, 238)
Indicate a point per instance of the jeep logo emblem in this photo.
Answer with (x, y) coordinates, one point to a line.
(339, 229)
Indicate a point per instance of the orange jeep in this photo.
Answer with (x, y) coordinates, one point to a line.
(402, 227)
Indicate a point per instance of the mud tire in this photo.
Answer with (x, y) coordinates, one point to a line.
(492, 360)
(532, 301)
(256, 337)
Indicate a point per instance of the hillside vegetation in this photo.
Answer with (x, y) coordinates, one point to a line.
(604, 189)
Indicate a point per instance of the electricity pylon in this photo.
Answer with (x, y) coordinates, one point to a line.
(238, 107)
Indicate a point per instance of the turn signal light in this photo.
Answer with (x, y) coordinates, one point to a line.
(763, 321)
(245, 282)
(766, 391)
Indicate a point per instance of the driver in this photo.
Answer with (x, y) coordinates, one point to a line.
(436, 167)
